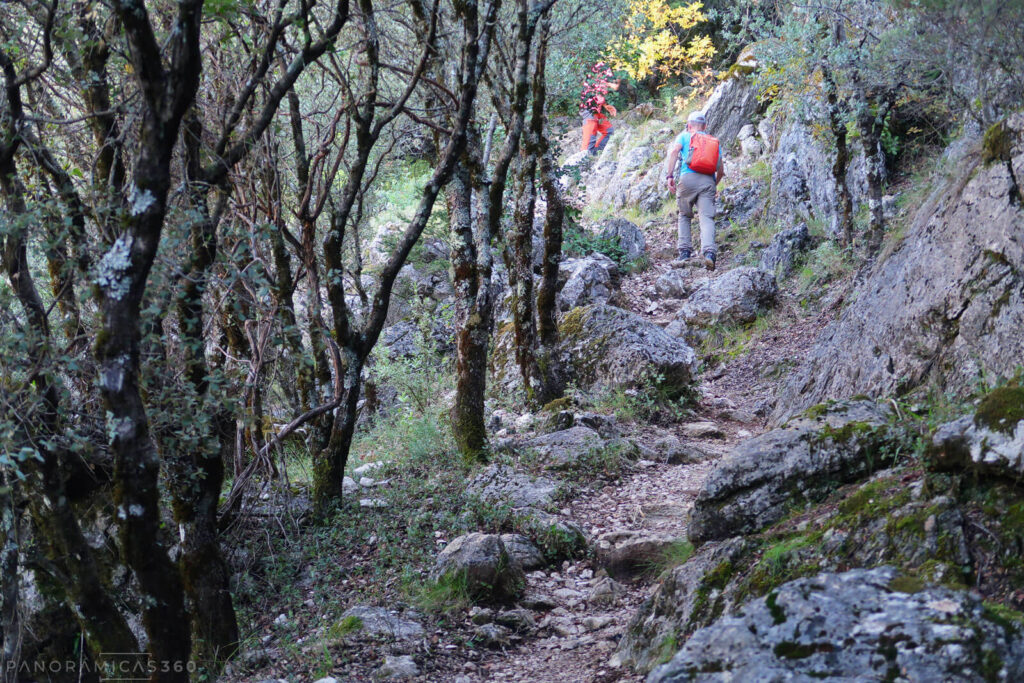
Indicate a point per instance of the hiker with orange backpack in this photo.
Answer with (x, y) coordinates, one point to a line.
(693, 170)
(595, 109)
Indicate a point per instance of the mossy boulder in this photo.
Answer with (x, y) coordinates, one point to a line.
(800, 463)
(990, 442)
(481, 563)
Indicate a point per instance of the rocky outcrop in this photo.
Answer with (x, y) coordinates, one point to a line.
(673, 284)
(853, 626)
(946, 307)
(799, 463)
(803, 181)
(737, 297)
(991, 441)
(780, 254)
(629, 237)
(612, 348)
(731, 106)
(593, 279)
(481, 564)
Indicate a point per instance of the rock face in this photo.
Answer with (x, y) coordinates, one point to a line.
(799, 463)
(803, 184)
(732, 105)
(779, 255)
(734, 298)
(946, 307)
(853, 626)
(483, 562)
(612, 348)
(991, 442)
(593, 279)
(631, 239)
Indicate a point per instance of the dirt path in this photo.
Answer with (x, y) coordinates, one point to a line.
(580, 636)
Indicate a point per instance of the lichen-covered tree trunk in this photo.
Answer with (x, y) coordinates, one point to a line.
(472, 322)
(519, 260)
(552, 379)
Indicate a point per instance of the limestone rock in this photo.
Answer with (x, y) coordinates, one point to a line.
(396, 668)
(944, 308)
(561, 450)
(631, 239)
(523, 552)
(612, 348)
(852, 626)
(732, 105)
(582, 281)
(492, 636)
(799, 463)
(484, 563)
(991, 441)
(500, 484)
(781, 252)
(381, 621)
(673, 284)
(628, 554)
(735, 297)
(686, 598)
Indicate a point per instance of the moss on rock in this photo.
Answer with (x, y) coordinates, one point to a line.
(1001, 409)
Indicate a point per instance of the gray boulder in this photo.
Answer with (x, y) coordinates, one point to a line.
(781, 252)
(500, 484)
(750, 145)
(853, 626)
(588, 280)
(482, 561)
(562, 450)
(631, 239)
(381, 621)
(799, 463)
(612, 348)
(649, 192)
(523, 552)
(736, 297)
(397, 667)
(991, 441)
(673, 284)
(629, 554)
(946, 307)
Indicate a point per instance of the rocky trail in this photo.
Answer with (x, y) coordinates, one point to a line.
(634, 519)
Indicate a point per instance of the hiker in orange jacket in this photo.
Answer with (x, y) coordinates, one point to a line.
(695, 182)
(595, 110)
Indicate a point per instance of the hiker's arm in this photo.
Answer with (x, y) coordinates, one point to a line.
(670, 164)
(720, 173)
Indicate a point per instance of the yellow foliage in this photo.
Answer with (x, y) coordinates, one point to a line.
(655, 40)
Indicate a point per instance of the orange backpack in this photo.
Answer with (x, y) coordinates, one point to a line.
(703, 154)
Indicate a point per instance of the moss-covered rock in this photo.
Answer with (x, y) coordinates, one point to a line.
(798, 464)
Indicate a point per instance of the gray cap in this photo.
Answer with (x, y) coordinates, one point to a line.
(696, 117)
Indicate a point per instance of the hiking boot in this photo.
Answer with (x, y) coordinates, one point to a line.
(709, 260)
(684, 255)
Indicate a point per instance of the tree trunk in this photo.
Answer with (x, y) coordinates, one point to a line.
(472, 326)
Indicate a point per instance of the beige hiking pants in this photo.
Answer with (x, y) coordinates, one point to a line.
(699, 189)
